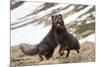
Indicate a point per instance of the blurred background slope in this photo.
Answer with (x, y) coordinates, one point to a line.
(79, 19)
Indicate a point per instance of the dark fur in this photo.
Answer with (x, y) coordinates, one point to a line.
(45, 48)
(66, 40)
(47, 45)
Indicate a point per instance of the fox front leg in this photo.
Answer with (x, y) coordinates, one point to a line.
(61, 51)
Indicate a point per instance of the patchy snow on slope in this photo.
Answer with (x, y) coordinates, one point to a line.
(24, 10)
(74, 16)
(67, 10)
(42, 13)
(90, 38)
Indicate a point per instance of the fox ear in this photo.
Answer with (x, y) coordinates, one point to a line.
(52, 20)
(61, 18)
(52, 17)
(60, 15)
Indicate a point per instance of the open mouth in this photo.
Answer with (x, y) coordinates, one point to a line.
(58, 25)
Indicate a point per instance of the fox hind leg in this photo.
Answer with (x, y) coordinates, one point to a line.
(41, 58)
(77, 51)
(68, 53)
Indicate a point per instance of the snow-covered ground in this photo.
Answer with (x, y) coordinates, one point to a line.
(34, 34)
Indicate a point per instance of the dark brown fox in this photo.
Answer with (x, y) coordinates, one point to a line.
(66, 40)
(44, 48)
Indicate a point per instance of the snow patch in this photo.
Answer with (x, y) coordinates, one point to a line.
(90, 38)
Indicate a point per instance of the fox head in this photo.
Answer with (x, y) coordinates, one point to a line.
(57, 21)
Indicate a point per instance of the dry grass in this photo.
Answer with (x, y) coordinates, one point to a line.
(87, 54)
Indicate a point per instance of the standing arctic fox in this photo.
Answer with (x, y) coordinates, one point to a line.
(44, 48)
(66, 40)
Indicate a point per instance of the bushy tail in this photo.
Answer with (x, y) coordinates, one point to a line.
(29, 49)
